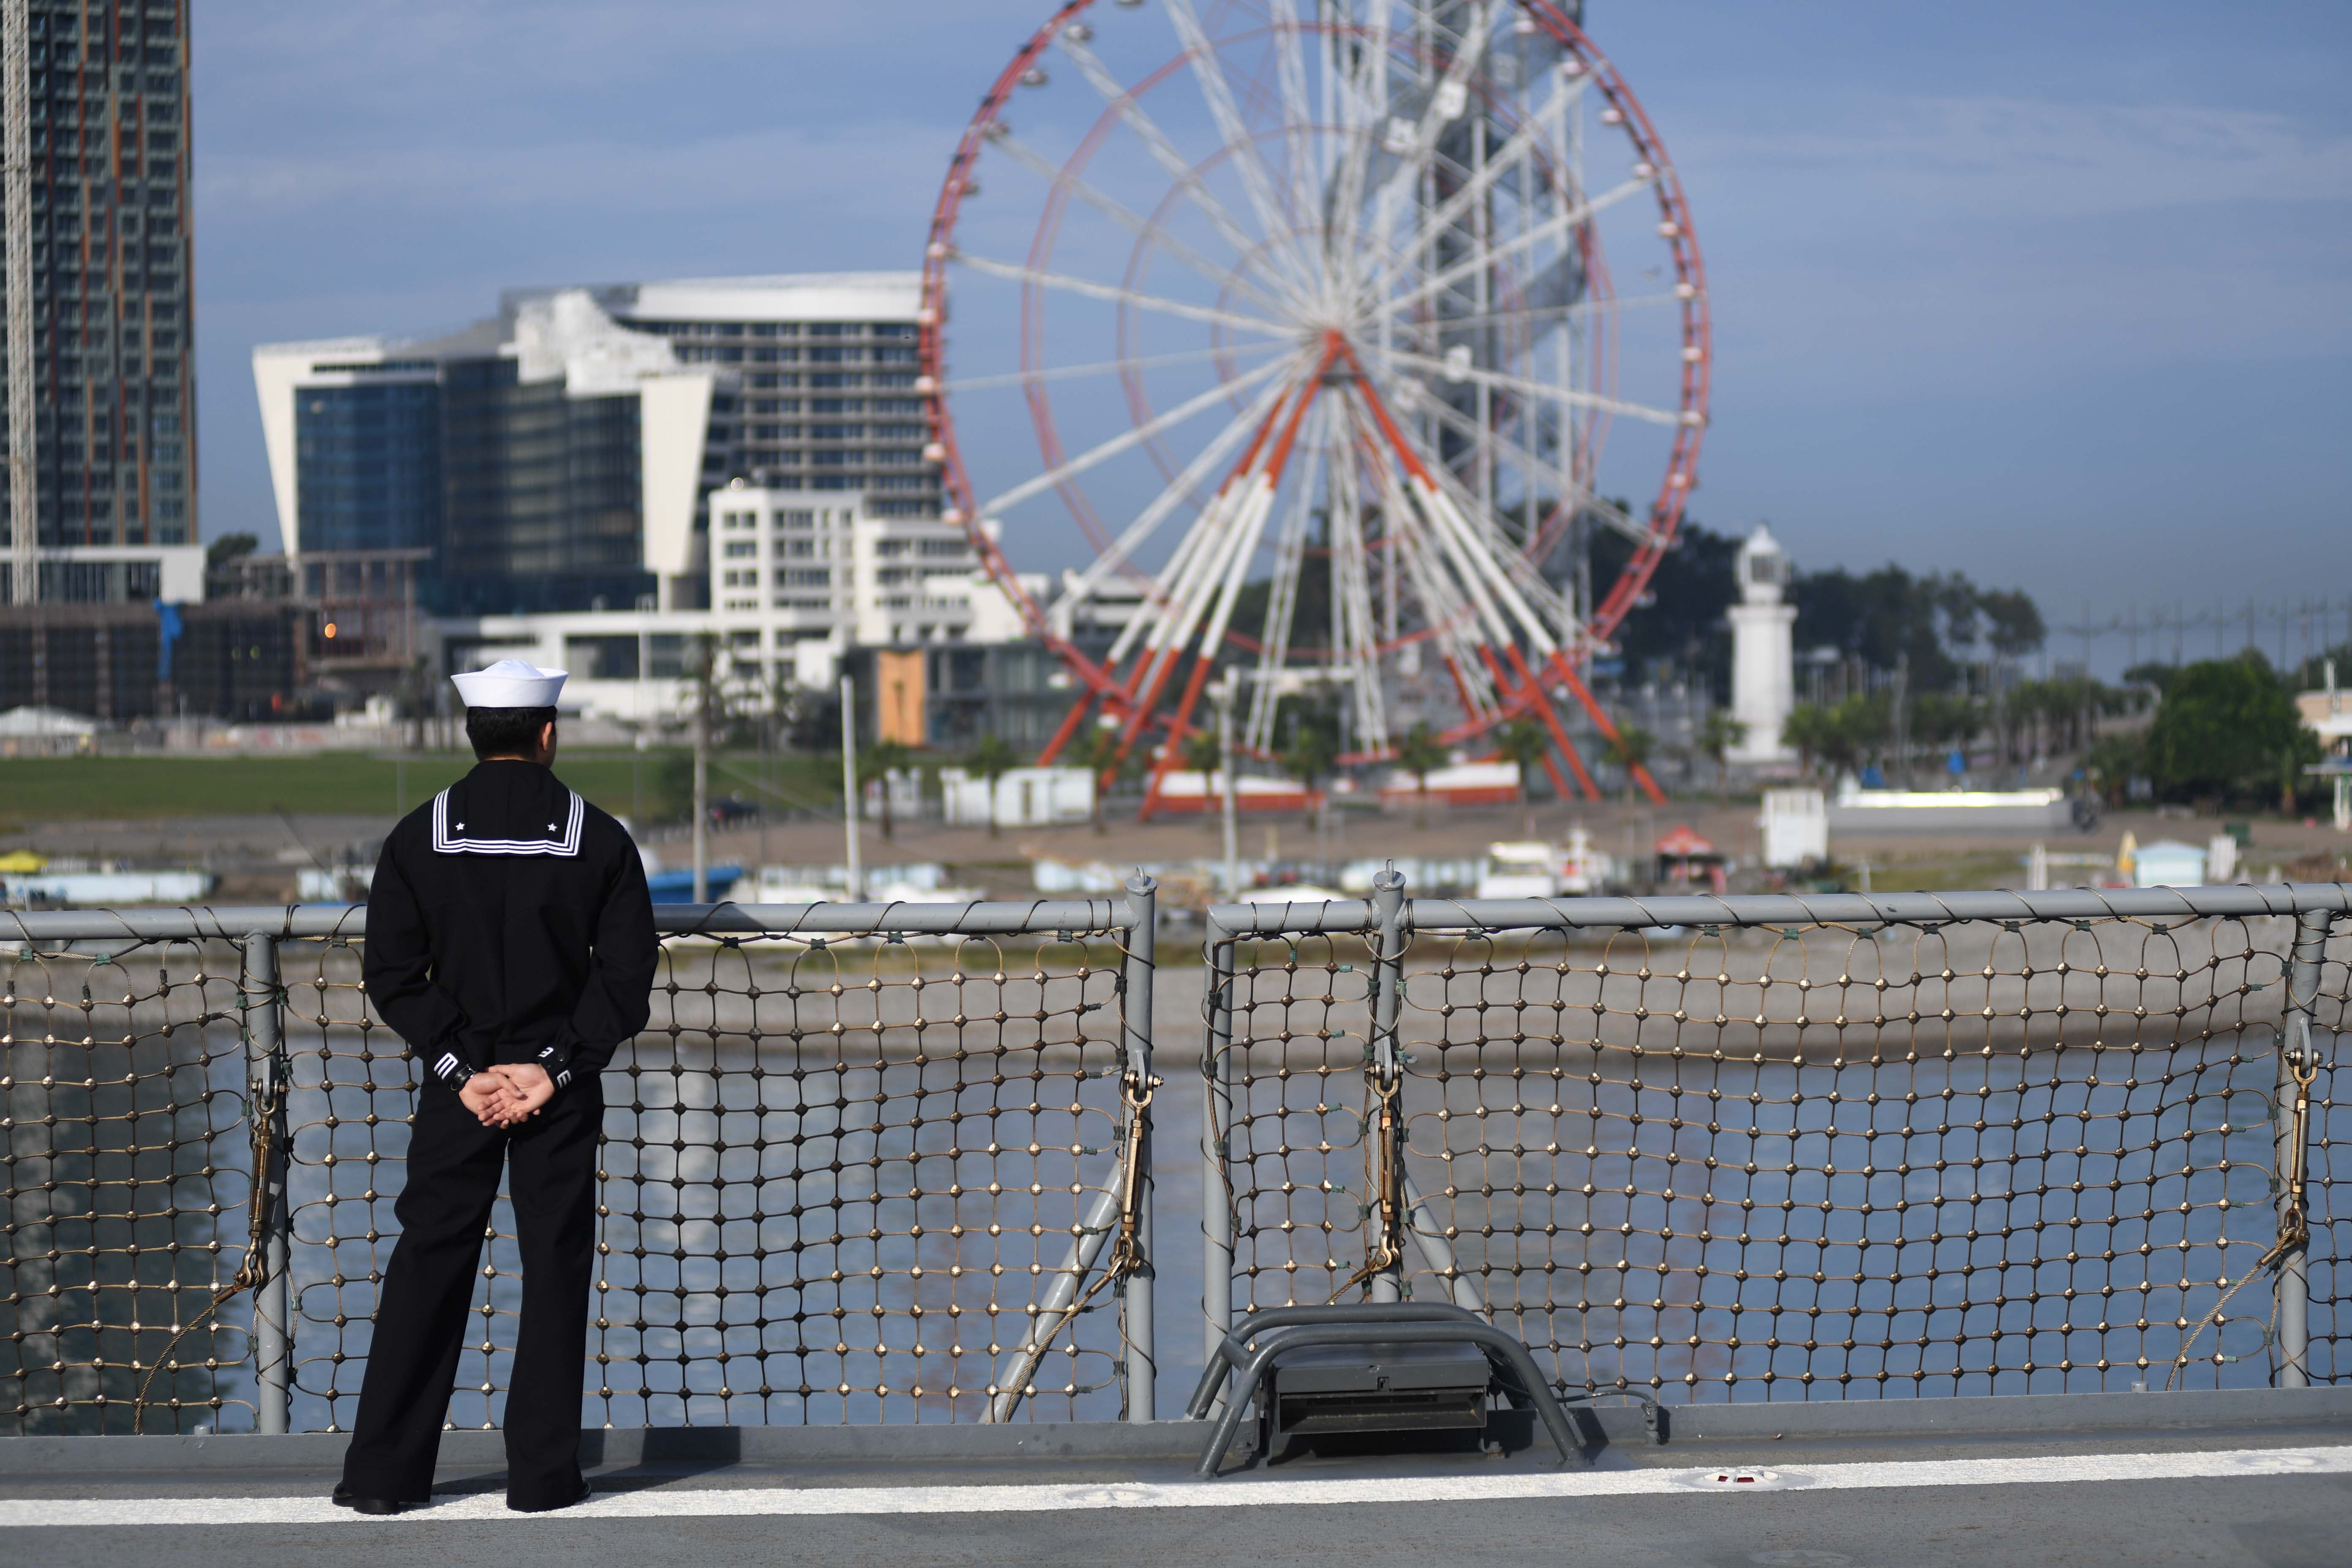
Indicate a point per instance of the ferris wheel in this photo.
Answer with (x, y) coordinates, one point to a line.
(1341, 331)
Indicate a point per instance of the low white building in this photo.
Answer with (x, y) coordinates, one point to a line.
(2168, 863)
(118, 573)
(1796, 824)
(1021, 797)
(796, 579)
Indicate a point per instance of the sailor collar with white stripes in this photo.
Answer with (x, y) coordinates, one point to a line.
(448, 837)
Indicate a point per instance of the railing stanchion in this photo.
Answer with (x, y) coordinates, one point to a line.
(1135, 1048)
(273, 1338)
(2298, 1049)
(1216, 1130)
(1387, 1072)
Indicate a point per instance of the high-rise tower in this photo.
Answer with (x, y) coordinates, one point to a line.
(98, 282)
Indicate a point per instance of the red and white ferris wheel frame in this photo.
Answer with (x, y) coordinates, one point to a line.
(1623, 111)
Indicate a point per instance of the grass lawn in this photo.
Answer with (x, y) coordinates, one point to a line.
(655, 786)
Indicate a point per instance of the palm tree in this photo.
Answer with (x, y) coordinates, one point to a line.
(1811, 730)
(883, 759)
(1420, 754)
(1523, 741)
(1098, 751)
(1716, 737)
(1204, 756)
(1308, 758)
(992, 759)
(1629, 748)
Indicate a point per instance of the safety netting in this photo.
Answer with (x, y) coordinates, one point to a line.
(838, 1177)
(1743, 1161)
(125, 1188)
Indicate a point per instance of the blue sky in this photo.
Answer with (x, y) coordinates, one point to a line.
(2054, 294)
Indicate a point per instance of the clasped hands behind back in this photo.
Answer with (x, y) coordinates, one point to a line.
(509, 1094)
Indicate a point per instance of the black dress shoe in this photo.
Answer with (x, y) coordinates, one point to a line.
(585, 1493)
(344, 1498)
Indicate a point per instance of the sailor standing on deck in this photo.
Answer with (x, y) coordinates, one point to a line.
(511, 943)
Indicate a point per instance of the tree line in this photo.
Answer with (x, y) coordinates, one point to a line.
(1942, 631)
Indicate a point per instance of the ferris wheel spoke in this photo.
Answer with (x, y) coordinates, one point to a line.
(1135, 223)
(1109, 367)
(1519, 580)
(1514, 154)
(1451, 211)
(1490, 440)
(1563, 311)
(1176, 579)
(1184, 484)
(1482, 572)
(1473, 568)
(1450, 618)
(1571, 491)
(1574, 396)
(1506, 611)
(1165, 152)
(1298, 109)
(1355, 638)
(1282, 593)
(1610, 514)
(1448, 102)
(1249, 163)
(1130, 438)
(1362, 87)
(1290, 556)
(1445, 598)
(1015, 272)
(1553, 228)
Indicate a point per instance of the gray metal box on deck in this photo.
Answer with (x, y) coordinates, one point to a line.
(1378, 1387)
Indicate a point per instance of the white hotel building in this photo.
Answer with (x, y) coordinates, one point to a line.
(795, 581)
(602, 474)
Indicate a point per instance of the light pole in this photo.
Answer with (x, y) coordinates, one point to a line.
(637, 784)
(701, 801)
(849, 785)
(1224, 696)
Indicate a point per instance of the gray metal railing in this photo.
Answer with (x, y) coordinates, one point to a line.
(892, 1163)
(1797, 1147)
(867, 1162)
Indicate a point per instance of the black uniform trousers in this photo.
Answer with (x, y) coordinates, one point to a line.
(420, 1319)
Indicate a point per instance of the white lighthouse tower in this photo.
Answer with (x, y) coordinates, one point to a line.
(1763, 656)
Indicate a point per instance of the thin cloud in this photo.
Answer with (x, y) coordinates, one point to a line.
(2017, 158)
(867, 174)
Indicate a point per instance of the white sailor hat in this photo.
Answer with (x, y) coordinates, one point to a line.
(509, 683)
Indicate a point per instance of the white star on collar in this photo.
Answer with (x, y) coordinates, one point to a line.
(550, 827)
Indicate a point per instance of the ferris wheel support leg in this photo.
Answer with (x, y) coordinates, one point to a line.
(1560, 781)
(1607, 726)
(1177, 730)
(1069, 727)
(1140, 709)
(1461, 688)
(1143, 702)
(1515, 698)
(1559, 731)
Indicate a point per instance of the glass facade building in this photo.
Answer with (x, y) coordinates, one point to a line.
(542, 496)
(115, 456)
(371, 459)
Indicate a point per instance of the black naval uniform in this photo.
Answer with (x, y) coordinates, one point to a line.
(509, 922)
